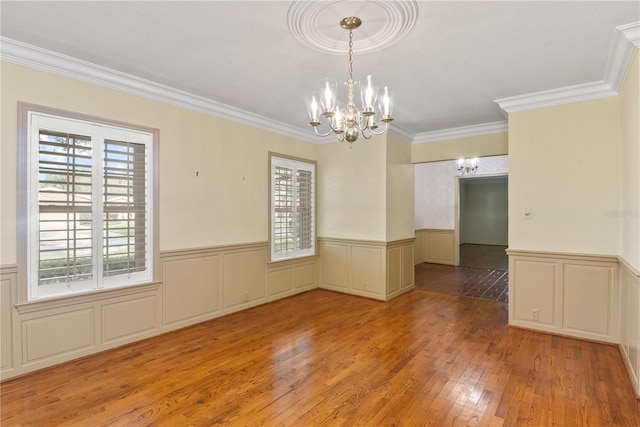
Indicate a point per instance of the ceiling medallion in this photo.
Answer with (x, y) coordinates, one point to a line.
(313, 23)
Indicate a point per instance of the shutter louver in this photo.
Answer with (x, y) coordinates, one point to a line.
(64, 208)
(125, 208)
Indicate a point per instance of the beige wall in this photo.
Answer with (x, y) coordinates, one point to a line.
(630, 133)
(400, 191)
(226, 203)
(471, 146)
(352, 200)
(564, 165)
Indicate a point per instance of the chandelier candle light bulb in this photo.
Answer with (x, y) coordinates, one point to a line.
(350, 122)
(468, 166)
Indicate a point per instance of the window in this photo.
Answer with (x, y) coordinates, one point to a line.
(89, 205)
(292, 208)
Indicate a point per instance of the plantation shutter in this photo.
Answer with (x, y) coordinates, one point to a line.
(125, 207)
(65, 237)
(90, 199)
(304, 209)
(292, 208)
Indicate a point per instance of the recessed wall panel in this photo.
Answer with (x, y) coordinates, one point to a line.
(280, 281)
(366, 264)
(128, 318)
(191, 288)
(534, 288)
(394, 258)
(57, 335)
(244, 277)
(634, 330)
(305, 276)
(439, 246)
(587, 298)
(5, 325)
(335, 266)
(408, 268)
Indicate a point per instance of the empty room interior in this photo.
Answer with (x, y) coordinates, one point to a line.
(312, 213)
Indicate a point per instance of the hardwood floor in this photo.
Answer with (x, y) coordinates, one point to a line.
(481, 283)
(327, 359)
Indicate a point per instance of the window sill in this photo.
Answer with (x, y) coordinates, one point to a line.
(86, 297)
(292, 261)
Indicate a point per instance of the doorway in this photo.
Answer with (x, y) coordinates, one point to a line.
(482, 221)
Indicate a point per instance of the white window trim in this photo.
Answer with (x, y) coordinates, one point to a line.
(25, 203)
(295, 164)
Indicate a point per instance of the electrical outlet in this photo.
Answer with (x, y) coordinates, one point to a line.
(245, 296)
(534, 314)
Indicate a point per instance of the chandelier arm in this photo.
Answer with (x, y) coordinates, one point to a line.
(315, 129)
(386, 127)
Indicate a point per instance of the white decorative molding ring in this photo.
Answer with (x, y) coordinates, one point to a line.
(384, 22)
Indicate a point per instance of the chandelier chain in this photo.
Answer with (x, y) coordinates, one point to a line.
(350, 54)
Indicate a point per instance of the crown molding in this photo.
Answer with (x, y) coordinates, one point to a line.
(626, 41)
(549, 98)
(402, 133)
(462, 132)
(67, 66)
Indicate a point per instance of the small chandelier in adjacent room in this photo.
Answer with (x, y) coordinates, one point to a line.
(467, 166)
(348, 122)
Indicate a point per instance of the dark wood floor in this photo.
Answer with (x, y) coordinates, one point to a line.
(327, 359)
(481, 283)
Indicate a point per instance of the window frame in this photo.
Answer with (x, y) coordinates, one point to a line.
(25, 202)
(302, 164)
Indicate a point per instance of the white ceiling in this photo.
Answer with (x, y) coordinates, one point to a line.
(446, 71)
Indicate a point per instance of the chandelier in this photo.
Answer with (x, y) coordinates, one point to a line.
(348, 122)
(467, 166)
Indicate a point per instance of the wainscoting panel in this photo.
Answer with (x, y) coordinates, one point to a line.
(394, 272)
(567, 294)
(305, 276)
(119, 323)
(436, 246)
(280, 281)
(334, 265)
(379, 270)
(408, 273)
(367, 267)
(56, 335)
(630, 322)
(191, 288)
(588, 289)
(285, 278)
(537, 288)
(244, 278)
(7, 281)
(195, 285)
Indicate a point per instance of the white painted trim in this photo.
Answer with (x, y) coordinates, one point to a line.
(563, 95)
(461, 132)
(626, 42)
(67, 66)
(402, 133)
